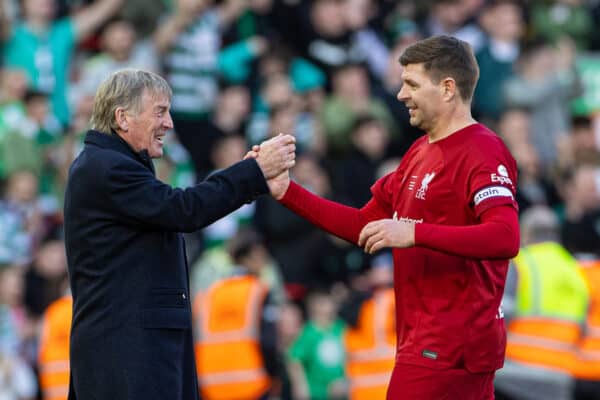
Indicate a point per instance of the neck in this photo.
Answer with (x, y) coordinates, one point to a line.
(451, 122)
(37, 24)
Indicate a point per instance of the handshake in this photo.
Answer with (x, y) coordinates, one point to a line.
(275, 157)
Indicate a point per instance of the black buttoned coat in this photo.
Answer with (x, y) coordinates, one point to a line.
(131, 335)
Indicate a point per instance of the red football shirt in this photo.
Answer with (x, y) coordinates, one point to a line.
(459, 189)
(448, 307)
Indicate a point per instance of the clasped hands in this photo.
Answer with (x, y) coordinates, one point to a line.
(277, 155)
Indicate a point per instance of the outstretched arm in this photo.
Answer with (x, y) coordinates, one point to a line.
(93, 16)
(335, 218)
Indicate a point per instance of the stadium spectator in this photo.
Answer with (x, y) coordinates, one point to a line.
(236, 346)
(316, 359)
(546, 302)
(44, 47)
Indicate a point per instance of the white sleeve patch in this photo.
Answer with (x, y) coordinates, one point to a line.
(492, 191)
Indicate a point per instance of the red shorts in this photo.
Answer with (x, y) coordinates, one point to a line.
(412, 382)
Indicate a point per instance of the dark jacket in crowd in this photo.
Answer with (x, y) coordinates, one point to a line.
(131, 336)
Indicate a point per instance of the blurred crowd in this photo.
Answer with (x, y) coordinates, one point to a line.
(326, 71)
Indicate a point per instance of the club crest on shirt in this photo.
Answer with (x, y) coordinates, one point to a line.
(424, 186)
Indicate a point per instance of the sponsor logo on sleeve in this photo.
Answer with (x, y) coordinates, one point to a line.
(491, 192)
(502, 176)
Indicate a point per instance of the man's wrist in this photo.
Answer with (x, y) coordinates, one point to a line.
(289, 193)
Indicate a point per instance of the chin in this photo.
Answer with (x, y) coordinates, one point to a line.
(155, 153)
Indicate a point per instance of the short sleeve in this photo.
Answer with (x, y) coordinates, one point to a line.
(493, 177)
(299, 349)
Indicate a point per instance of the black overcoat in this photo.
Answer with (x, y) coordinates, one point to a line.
(131, 335)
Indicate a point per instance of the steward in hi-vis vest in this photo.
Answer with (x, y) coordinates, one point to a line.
(545, 314)
(53, 356)
(235, 345)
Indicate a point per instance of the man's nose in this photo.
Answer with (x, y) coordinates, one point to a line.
(168, 121)
(402, 95)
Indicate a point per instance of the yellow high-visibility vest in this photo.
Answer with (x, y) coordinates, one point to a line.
(551, 306)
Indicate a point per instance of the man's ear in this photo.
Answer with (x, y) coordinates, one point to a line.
(448, 88)
(121, 119)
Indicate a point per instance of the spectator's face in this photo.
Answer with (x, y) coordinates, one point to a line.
(528, 160)
(277, 90)
(37, 109)
(322, 309)
(146, 130)
(327, 17)
(261, 6)
(450, 14)
(584, 190)
(583, 138)
(22, 187)
(283, 121)
(193, 6)
(11, 286)
(289, 324)
(504, 22)
(14, 84)
(358, 13)
(51, 260)
(514, 128)
(235, 101)
(42, 9)
(118, 40)
(351, 83)
(310, 174)
(372, 139)
(228, 152)
(422, 97)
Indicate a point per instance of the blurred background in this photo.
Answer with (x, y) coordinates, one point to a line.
(326, 71)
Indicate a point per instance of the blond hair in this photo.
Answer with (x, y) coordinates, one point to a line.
(124, 89)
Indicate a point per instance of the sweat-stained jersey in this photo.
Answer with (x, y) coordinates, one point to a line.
(448, 307)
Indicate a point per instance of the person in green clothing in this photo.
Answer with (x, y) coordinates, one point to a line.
(316, 359)
(43, 47)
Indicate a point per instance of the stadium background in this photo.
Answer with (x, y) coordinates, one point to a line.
(324, 70)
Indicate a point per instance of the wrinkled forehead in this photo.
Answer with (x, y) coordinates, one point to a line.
(156, 97)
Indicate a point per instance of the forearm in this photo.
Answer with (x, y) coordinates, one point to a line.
(91, 17)
(497, 236)
(298, 380)
(337, 219)
(166, 34)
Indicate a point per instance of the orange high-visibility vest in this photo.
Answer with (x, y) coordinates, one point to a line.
(371, 348)
(588, 349)
(550, 309)
(228, 356)
(54, 349)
